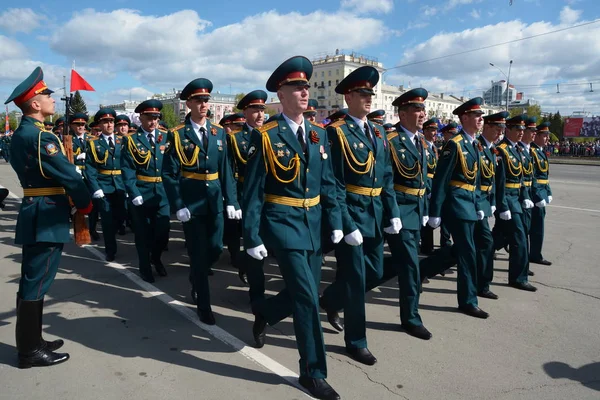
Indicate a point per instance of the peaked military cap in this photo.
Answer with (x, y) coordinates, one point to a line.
(339, 114)
(470, 106)
(132, 128)
(361, 80)
(415, 97)
(312, 107)
(122, 119)
(498, 119)
(431, 123)
(198, 87)
(60, 122)
(105, 113)
(376, 116)
(78, 117)
(544, 127)
(29, 88)
(389, 128)
(226, 120)
(233, 119)
(451, 127)
(293, 71)
(517, 122)
(256, 98)
(93, 124)
(150, 107)
(531, 122)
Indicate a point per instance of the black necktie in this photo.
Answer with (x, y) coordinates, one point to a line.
(81, 143)
(110, 143)
(300, 135)
(368, 133)
(204, 138)
(417, 144)
(151, 139)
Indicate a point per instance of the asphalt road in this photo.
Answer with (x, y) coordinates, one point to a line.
(131, 340)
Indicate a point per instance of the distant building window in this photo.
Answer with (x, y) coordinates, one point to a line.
(337, 72)
(315, 84)
(329, 73)
(329, 83)
(322, 74)
(337, 82)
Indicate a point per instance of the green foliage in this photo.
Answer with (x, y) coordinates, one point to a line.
(169, 116)
(553, 138)
(238, 97)
(78, 104)
(531, 111)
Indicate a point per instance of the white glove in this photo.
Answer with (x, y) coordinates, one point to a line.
(493, 209)
(138, 201)
(98, 194)
(480, 215)
(424, 220)
(394, 228)
(230, 210)
(184, 215)
(337, 236)
(73, 210)
(81, 156)
(549, 199)
(434, 222)
(79, 171)
(258, 252)
(354, 238)
(238, 214)
(541, 203)
(527, 204)
(506, 216)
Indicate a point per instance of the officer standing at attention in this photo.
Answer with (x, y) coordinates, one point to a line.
(430, 128)
(141, 164)
(288, 186)
(454, 195)
(103, 177)
(364, 180)
(122, 123)
(198, 180)
(47, 177)
(541, 194)
(77, 124)
(59, 126)
(448, 132)
(510, 209)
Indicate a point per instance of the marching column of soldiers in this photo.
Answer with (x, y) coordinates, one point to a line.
(303, 190)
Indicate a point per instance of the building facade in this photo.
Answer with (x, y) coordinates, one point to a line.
(496, 95)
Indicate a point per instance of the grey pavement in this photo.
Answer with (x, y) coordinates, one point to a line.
(127, 342)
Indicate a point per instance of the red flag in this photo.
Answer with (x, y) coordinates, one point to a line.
(6, 123)
(78, 83)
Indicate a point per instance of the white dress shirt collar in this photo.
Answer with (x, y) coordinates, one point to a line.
(294, 126)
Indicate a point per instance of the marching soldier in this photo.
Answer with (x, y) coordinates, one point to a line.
(448, 132)
(103, 176)
(48, 126)
(541, 194)
(525, 147)
(454, 195)
(142, 160)
(132, 129)
(377, 116)
(488, 195)
(288, 183)
(364, 180)
(198, 179)
(59, 126)
(389, 128)
(510, 175)
(122, 123)
(430, 128)
(43, 224)
(311, 112)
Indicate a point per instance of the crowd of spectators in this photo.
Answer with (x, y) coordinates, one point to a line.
(573, 149)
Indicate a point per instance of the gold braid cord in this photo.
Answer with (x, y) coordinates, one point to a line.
(95, 155)
(542, 165)
(487, 172)
(62, 149)
(528, 171)
(181, 153)
(405, 172)
(138, 158)
(238, 155)
(468, 173)
(351, 161)
(272, 163)
(514, 170)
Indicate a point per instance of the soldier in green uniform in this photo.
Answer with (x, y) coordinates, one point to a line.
(454, 195)
(253, 108)
(488, 195)
(510, 210)
(527, 159)
(59, 126)
(364, 180)
(103, 177)
(5, 143)
(311, 112)
(288, 185)
(389, 128)
(198, 180)
(141, 163)
(448, 131)
(43, 223)
(77, 123)
(541, 194)
(430, 128)
(377, 116)
(122, 123)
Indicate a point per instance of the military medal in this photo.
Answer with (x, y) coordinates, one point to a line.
(279, 145)
(323, 154)
(192, 146)
(354, 145)
(287, 152)
(213, 130)
(162, 149)
(279, 153)
(314, 137)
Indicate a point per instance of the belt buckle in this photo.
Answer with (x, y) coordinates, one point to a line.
(306, 204)
(373, 192)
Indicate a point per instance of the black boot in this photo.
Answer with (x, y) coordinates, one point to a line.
(53, 345)
(32, 350)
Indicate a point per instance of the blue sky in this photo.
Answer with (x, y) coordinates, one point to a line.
(131, 49)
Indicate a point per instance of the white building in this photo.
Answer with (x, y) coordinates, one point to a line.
(496, 95)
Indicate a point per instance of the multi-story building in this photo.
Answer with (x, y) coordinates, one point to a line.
(496, 95)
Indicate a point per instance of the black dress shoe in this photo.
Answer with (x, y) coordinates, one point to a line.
(207, 317)
(121, 231)
(54, 345)
(158, 265)
(363, 356)
(488, 294)
(42, 358)
(418, 331)
(530, 273)
(542, 261)
(474, 311)
(523, 286)
(333, 317)
(94, 235)
(258, 331)
(425, 280)
(242, 276)
(147, 277)
(319, 388)
(110, 257)
(210, 272)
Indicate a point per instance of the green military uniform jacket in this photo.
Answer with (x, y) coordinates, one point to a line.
(38, 159)
(509, 175)
(278, 171)
(238, 144)
(141, 166)
(196, 178)
(486, 195)
(410, 177)
(80, 147)
(432, 160)
(364, 177)
(540, 189)
(103, 165)
(454, 187)
(528, 167)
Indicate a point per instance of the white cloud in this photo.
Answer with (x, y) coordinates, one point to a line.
(11, 49)
(455, 3)
(475, 14)
(429, 11)
(364, 6)
(134, 93)
(569, 16)
(23, 20)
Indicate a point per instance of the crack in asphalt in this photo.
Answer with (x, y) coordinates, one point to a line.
(567, 289)
(529, 389)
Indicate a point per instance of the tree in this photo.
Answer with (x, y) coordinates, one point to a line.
(532, 111)
(169, 116)
(238, 97)
(557, 125)
(78, 104)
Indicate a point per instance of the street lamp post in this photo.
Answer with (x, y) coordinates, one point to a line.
(507, 79)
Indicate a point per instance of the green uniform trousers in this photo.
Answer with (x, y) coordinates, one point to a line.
(151, 225)
(484, 243)
(536, 233)
(255, 275)
(518, 261)
(38, 269)
(112, 214)
(463, 232)
(445, 239)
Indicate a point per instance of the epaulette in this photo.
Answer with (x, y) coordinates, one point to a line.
(162, 130)
(502, 146)
(178, 127)
(337, 124)
(217, 125)
(268, 126)
(316, 125)
(234, 131)
(457, 138)
(41, 127)
(392, 135)
(93, 138)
